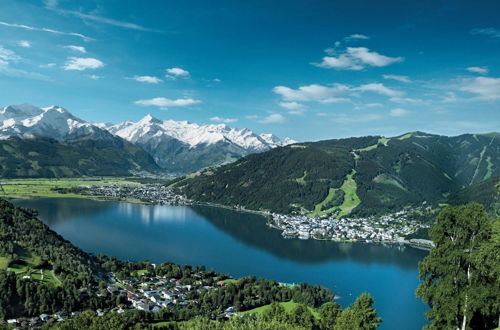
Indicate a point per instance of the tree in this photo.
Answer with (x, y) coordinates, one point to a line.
(365, 314)
(347, 320)
(329, 312)
(301, 316)
(454, 275)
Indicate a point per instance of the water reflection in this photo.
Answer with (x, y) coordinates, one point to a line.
(150, 214)
(251, 229)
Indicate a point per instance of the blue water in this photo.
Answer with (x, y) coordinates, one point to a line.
(241, 244)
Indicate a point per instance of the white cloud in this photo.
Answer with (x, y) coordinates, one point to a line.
(399, 112)
(450, 97)
(165, 103)
(82, 63)
(487, 89)
(94, 77)
(404, 79)
(356, 36)
(251, 117)
(379, 88)
(314, 92)
(291, 105)
(7, 55)
(408, 100)
(24, 44)
(223, 120)
(147, 79)
(174, 73)
(492, 32)
(274, 118)
(364, 55)
(478, 69)
(43, 29)
(79, 49)
(357, 58)
(52, 5)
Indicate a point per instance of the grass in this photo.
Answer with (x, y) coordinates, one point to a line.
(26, 264)
(139, 272)
(288, 306)
(351, 199)
(406, 136)
(318, 207)
(385, 179)
(25, 188)
(302, 180)
(381, 141)
(4, 262)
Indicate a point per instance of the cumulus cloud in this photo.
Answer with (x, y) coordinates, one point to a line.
(398, 112)
(379, 88)
(79, 49)
(478, 69)
(487, 89)
(357, 58)
(356, 36)
(147, 79)
(223, 120)
(24, 44)
(314, 92)
(43, 29)
(174, 73)
(404, 79)
(291, 105)
(492, 32)
(274, 118)
(165, 103)
(82, 63)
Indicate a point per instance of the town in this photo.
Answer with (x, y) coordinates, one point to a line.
(143, 292)
(387, 228)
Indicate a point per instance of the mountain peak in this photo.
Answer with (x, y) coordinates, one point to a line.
(150, 119)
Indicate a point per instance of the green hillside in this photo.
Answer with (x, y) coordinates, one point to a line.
(486, 192)
(360, 176)
(48, 158)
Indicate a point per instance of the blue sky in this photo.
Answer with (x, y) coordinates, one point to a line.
(308, 70)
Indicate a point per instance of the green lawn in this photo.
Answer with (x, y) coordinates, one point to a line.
(25, 265)
(139, 272)
(351, 199)
(4, 262)
(288, 306)
(302, 180)
(24, 188)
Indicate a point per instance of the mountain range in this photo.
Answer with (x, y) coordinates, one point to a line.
(51, 142)
(355, 176)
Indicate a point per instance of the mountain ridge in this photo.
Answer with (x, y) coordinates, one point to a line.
(353, 176)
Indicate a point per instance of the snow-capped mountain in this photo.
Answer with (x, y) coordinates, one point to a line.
(176, 146)
(193, 135)
(181, 147)
(26, 120)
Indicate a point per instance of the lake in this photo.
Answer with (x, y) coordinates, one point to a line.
(241, 244)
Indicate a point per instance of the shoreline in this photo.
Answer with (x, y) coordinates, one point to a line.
(423, 246)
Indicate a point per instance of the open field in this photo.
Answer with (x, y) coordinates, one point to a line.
(28, 264)
(24, 188)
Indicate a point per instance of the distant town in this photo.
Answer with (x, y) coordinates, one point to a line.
(393, 227)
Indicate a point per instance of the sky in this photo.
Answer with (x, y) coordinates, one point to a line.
(308, 70)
